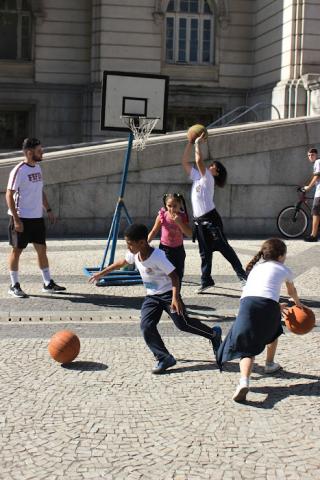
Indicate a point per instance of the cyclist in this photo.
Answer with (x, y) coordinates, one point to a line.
(315, 181)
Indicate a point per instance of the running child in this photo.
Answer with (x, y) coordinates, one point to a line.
(173, 221)
(258, 323)
(315, 181)
(162, 284)
(208, 223)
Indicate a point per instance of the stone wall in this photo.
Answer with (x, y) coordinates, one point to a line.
(265, 162)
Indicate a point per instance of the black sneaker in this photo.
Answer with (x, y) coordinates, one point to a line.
(205, 286)
(216, 341)
(52, 287)
(163, 365)
(311, 239)
(16, 291)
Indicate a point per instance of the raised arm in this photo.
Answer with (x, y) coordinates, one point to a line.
(186, 158)
(155, 229)
(199, 157)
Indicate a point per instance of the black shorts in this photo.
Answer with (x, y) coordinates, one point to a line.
(34, 231)
(316, 206)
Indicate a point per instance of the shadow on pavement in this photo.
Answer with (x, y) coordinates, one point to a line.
(97, 299)
(84, 366)
(192, 368)
(276, 394)
(310, 303)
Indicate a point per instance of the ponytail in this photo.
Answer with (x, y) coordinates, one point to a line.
(254, 260)
(271, 249)
(181, 197)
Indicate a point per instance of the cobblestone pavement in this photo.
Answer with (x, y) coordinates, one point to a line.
(107, 417)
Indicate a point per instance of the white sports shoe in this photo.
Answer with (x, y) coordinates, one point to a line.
(272, 367)
(240, 393)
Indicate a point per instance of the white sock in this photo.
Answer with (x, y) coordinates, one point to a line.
(46, 276)
(244, 382)
(14, 277)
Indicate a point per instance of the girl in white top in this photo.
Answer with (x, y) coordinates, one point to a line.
(258, 323)
(208, 223)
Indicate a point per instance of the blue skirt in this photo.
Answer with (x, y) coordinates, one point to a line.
(258, 323)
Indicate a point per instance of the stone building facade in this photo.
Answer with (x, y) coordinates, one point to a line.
(219, 54)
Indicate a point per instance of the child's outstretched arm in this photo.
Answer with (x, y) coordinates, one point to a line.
(292, 292)
(155, 229)
(114, 266)
(186, 158)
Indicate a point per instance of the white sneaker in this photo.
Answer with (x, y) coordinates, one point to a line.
(240, 393)
(272, 367)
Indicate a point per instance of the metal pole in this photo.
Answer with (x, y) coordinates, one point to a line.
(114, 230)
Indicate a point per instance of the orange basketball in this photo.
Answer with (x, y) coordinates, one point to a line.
(64, 346)
(196, 131)
(299, 320)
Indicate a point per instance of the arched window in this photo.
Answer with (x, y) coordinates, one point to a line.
(189, 32)
(15, 30)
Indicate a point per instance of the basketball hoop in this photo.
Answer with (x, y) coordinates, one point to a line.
(141, 128)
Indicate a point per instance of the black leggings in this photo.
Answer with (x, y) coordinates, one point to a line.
(211, 238)
(175, 255)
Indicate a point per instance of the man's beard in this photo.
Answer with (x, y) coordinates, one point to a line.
(36, 159)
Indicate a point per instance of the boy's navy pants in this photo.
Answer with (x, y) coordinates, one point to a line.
(151, 311)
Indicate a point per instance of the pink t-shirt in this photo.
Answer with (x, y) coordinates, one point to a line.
(171, 235)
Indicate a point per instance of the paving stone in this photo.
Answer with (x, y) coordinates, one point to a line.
(107, 417)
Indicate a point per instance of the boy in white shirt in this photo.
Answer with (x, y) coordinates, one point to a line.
(162, 283)
(315, 181)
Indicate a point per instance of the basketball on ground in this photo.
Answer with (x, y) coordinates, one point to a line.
(64, 346)
(196, 131)
(299, 320)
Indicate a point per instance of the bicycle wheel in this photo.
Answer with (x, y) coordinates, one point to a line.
(292, 222)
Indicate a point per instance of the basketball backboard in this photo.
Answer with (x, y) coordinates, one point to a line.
(126, 94)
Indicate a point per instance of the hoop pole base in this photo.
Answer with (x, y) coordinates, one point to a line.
(118, 277)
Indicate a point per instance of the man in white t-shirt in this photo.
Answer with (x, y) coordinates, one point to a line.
(315, 181)
(163, 294)
(26, 201)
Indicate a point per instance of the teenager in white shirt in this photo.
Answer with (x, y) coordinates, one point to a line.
(315, 181)
(26, 202)
(258, 323)
(208, 223)
(163, 294)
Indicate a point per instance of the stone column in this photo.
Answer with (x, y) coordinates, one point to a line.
(312, 85)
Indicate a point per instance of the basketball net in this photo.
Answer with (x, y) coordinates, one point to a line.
(141, 128)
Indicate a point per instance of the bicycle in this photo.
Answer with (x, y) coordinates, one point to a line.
(293, 221)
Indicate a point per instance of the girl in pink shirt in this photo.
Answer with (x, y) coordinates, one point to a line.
(173, 221)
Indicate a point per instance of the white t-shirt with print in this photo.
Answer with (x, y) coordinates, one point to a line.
(265, 280)
(27, 183)
(202, 192)
(154, 271)
(316, 171)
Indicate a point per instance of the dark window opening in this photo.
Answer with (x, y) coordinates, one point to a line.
(14, 126)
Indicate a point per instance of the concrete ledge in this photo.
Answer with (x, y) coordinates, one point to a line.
(265, 162)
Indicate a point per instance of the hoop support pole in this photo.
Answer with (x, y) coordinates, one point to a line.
(114, 229)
